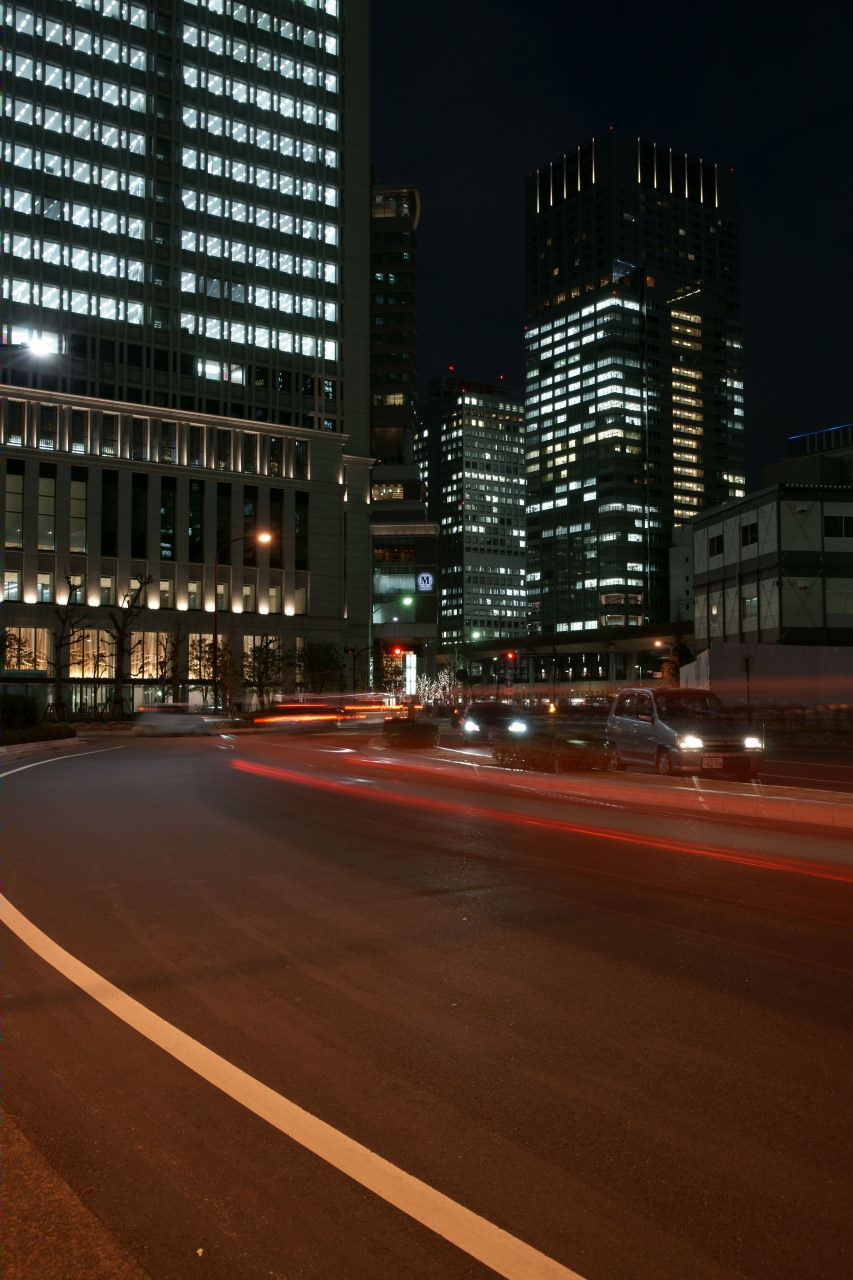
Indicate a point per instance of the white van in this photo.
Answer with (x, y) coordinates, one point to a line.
(680, 731)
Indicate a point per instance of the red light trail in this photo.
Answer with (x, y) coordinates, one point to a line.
(818, 870)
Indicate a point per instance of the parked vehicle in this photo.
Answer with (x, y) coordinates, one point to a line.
(680, 731)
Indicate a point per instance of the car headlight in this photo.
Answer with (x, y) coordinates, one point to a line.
(517, 726)
(690, 742)
(753, 744)
(470, 726)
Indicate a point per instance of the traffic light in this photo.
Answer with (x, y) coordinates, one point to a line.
(510, 657)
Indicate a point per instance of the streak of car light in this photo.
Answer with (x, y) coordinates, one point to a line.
(793, 866)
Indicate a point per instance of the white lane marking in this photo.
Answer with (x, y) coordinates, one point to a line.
(504, 1253)
(7, 773)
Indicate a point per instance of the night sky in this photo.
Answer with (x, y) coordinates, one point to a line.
(469, 96)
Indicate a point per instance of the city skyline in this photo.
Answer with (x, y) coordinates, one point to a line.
(467, 102)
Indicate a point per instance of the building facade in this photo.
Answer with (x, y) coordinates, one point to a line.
(776, 567)
(634, 384)
(186, 314)
(404, 542)
(471, 454)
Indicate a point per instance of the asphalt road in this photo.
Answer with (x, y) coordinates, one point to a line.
(345, 1016)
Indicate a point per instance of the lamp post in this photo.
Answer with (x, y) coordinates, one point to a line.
(241, 537)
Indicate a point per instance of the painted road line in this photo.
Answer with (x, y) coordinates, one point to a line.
(36, 764)
(505, 1254)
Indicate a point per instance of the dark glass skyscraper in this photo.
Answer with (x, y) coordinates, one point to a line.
(634, 384)
(404, 543)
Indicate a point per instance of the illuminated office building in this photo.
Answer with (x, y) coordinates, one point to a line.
(633, 375)
(185, 298)
(471, 452)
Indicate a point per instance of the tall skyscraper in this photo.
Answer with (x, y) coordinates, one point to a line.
(185, 304)
(177, 176)
(404, 542)
(471, 451)
(634, 383)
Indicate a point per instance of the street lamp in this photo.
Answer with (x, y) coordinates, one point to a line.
(241, 537)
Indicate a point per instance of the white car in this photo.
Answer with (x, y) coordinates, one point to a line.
(174, 718)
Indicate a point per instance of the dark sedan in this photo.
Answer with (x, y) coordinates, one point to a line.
(559, 746)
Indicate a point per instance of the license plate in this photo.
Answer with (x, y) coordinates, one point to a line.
(712, 762)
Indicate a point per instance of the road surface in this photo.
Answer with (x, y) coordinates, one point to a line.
(301, 1007)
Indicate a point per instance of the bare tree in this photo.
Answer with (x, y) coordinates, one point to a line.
(263, 667)
(318, 664)
(200, 665)
(122, 622)
(169, 658)
(71, 620)
(229, 672)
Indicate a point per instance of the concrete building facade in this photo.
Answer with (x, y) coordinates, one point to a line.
(186, 318)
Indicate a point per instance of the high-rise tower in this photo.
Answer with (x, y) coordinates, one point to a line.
(634, 384)
(185, 356)
(404, 543)
(471, 451)
(180, 179)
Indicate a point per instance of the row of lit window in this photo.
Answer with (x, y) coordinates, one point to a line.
(216, 42)
(91, 650)
(80, 302)
(259, 256)
(564, 325)
(257, 17)
(256, 215)
(105, 177)
(90, 43)
(29, 24)
(259, 296)
(112, 266)
(280, 104)
(35, 160)
(112, 223)
(95, 89)
(54, 76)
(132, 269)
(258, 336)
(52, 120)
(257, 176)
(240, 131)
(162, 595)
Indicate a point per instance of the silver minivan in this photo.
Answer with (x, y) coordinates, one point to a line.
(680, 731)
